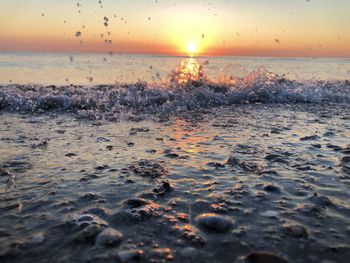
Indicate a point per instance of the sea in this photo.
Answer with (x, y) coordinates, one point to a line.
(107, 68)
(108, 85)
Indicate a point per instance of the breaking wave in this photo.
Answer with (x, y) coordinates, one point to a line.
(187, 88)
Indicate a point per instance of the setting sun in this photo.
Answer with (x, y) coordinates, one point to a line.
(191, 48)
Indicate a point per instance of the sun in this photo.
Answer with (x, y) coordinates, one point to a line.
(191, 48)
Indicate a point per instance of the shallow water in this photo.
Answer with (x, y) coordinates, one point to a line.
(95, 69)
(288, 166)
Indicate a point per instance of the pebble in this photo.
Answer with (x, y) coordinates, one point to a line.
(172, 155)
(82, 221)
(216, 164)
(143, 129)
(85, 217)
(295, 230)
(103, 212)
(163, 188)
(109, 237)
(309, 138)
(4, 172)
(137, 209)
(101, 167)
(109, 147)
(270, 157)
(272, 188)
(211, 221)
(89, 197)
(147, 168)
(263, 257)
(335, 148)
(42, 144)
(88, 233)
(190, 234)
(280, 160)
(136, 202)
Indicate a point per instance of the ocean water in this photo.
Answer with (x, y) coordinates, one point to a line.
(95, 69)
(109, 86)
(189, 159)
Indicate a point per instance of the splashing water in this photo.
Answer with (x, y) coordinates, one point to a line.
(188, 88)
(189, 72)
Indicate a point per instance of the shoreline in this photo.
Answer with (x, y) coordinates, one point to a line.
(217, 186)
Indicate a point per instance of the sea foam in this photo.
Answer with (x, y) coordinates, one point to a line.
(187, 88)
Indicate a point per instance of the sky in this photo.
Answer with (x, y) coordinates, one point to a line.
(287, 28)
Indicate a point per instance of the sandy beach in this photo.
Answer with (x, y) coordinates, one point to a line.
(210, 185)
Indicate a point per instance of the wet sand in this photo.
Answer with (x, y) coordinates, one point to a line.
(214, 186)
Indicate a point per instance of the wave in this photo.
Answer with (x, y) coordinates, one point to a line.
(187, 88)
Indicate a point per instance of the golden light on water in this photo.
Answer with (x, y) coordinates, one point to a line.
(189, 71)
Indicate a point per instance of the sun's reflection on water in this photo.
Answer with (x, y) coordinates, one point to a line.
(189, 71)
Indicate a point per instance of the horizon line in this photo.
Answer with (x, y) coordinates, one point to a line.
(201, 55)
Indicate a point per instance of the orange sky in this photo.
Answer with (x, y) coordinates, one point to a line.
(222, 27)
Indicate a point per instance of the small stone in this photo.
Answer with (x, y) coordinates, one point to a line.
(172, 155)
(42, 144)
(309, 138)
(163, 188)
(101, 167)
(4, 172)
(103, 212)
(136, 202)
(216, 164)
(85, 217)
(89, 197)
(71, 154)
(147, 168)
(335, 148)
(144, 212)
(296, 230)
(109, 237)
(233, 161)
(143, 129)
(263, 257)
(270, 157)
(211, 221)
(88, 233)
(109, 147)
(272, 188)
